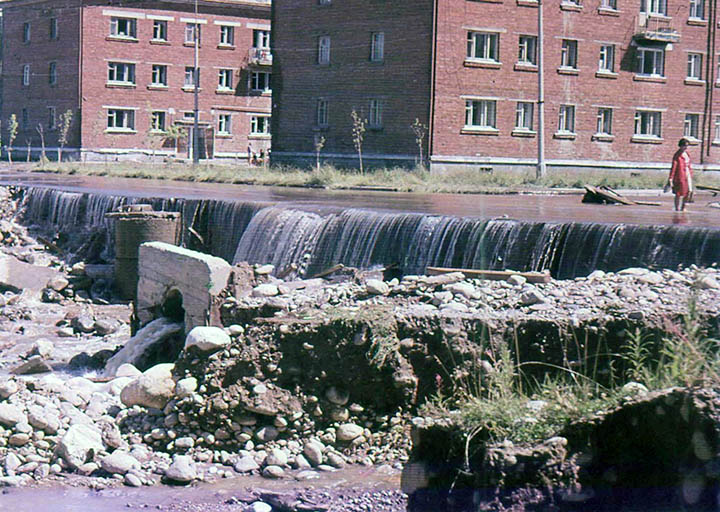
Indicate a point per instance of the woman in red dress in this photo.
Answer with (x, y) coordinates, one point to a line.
(681, 176)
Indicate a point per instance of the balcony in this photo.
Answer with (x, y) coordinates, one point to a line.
(655, 29)
(260, 57)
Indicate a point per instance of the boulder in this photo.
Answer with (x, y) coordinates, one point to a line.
(207, 339)
(119, 462)
(36, 364)
(79, 445)
(154, 388)
(376, 287)
(8, 388)
(11, 415)
(348, 432)
(182, 469)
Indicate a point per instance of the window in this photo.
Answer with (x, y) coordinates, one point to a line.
(692, 126)
(604, 121)
(260, 81)
(697, 9)
(25, 119)
(566, 119)
(160, 28)
(123, 27)
(259, 125)
(159, 75)
(224, 124)
(26, 32)
(608, 4)
(656, 7)
(527, 50)
(227, 35)
(121, 72)
(120, 119)
(26, 74)
(324, 2)
(322, 111)
(694, 66)
(483, 46)
(651, 62)
(189, 82)
(323, 50)
(52, 73)
(377, 47)
(192, 33)
(157, 121)
(480, 114)
(52, 118)
(261, 39)
(647, 124)
(375, 114)
(717, 129)
(524, 116)
(225, 79)
(606, 63)
(568, 54)
(189, 114)
(53, 29)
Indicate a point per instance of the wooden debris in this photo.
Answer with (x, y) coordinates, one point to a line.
(713, 190)
(329, 271)
(605, 195)
(492, 275)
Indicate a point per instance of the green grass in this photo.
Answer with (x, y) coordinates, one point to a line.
(401, 179)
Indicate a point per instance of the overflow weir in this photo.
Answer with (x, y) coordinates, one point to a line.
(311, 241)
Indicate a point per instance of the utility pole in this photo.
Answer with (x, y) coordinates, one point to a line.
(196, 91)
(541, 170)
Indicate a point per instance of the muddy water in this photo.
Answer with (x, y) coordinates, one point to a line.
(548, 208)
(206, 497)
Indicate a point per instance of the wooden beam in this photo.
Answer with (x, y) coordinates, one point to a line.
(493, 275)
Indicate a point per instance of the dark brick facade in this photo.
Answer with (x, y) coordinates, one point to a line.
(84, 49)
(427, 68)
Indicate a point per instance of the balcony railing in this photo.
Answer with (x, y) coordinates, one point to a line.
(658, 29)
(261, 56)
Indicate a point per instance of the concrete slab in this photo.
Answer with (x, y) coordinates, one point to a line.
(16, 275)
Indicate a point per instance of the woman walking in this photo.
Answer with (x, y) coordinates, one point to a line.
(681, 176)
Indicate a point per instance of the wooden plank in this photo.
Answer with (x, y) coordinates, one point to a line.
(714, 190)
(493, 275)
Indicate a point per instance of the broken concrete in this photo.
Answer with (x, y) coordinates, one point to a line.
(16, 275)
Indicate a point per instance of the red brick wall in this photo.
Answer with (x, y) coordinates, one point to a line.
(401, 81)
(585, 90)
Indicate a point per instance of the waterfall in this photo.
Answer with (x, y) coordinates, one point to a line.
(313, 241)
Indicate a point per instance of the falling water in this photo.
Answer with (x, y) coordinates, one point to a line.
(313, 241)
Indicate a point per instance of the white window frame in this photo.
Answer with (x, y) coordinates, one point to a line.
(224, 124)
(260, 81)
(158, 75)
(654, 7)
(483, 46)
(225, 79)
(322, 113)
(323, 56)
(26, 32)
(527, 50)
(189, 80)
(375, 113)
(123, 28)
(606, 61)
(697, 10)
(160, 30)
(261, 39)
(53, 29)
(227, 35)
(480, 114)
(26, 74)
(648, 124)
(655, 57)
(566, 120)
(120, 119)
(610, 5)
(716, 140)
(524, 113)
(694, 66)
(122, 73)
(604, 122)
(569, 54)
(691, 126)
(52, 73)
(377, 47)
(193, 31)
(52, 118)
(260, 125)
(158, 120)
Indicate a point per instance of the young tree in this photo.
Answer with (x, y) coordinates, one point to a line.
(420, 130)
(65, 123)
(12, 134)
(41, 131)
(358, 133)
(319, 145)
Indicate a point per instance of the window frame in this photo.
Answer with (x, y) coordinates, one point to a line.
(158, 75)
(123, 120)
(648, 124)
(642, 53)
(480, 114)
(604, 128)
(26, 32)
(26, 75)
(226, 36)
(375, 113)
(52, 73)
(224, 124)
(322, 113)
(483, 46)
(160, 31)
(158, 121)
(524, 116)
(255, 80)
(194, 80)
(255, 124)
(323, 54)
(696, 10)
(566, 119)
(54, 34)
(261, 39)
(694, 66)
(569, 54)
(653, 7)
(606, 60)
(527, 47)
(52, 117)
(193, 33)
(225, 79)
(123, 73)
(691, 126)
(377, 47)
(129, 31)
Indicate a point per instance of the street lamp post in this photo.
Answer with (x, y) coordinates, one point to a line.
(541, 168)
(196, 90)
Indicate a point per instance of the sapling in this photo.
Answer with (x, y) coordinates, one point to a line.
(358, 133)
(12, 134)
(65, 122)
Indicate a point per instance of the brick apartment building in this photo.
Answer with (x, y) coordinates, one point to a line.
(623, 80)
(125, 69)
